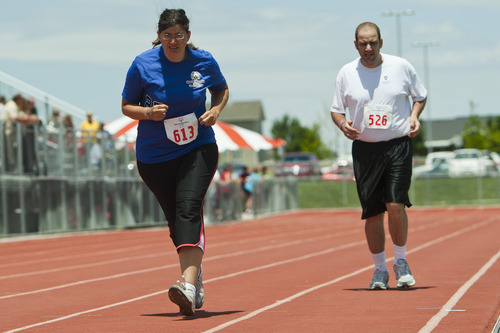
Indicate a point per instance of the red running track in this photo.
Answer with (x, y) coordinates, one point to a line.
(306, 271)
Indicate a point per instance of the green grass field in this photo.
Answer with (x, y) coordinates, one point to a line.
(423, 192)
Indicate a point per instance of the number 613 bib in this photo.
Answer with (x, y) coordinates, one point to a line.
(377, 116)
(182, 130)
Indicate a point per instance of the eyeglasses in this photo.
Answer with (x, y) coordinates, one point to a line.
(174, 36)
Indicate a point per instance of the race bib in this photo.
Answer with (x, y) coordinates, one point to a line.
(377, 116)
(182, 130)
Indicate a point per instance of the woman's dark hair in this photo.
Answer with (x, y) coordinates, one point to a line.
(169, 18)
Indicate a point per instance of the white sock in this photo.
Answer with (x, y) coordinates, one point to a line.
(399, 252)
(379, 260)
(189, 286)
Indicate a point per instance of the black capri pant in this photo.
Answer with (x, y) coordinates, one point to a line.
(180, 186)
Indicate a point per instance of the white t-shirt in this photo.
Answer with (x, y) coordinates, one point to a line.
(378, 98)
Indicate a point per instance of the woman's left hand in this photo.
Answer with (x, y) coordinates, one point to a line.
(209, 117)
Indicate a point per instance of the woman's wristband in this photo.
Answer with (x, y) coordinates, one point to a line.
(147, 113)
(342, 125)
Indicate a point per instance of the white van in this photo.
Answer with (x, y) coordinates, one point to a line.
(471, 162)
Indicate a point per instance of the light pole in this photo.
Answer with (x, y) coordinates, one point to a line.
(398, 14)
(425, 47)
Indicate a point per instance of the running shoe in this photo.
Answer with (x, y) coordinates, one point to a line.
(380, 280)
(403, 274)
(199, 298)
(183, 297)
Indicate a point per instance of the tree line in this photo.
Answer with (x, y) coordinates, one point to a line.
(479, 134)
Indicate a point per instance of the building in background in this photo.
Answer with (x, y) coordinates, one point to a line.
(249, 115)
(447, 133)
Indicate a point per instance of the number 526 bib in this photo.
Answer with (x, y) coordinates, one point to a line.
(377, 116)
(182, 130)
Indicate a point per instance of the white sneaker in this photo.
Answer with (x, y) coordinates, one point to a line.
(380, 280)
(199, 298)
(403, 274)
(183, 297)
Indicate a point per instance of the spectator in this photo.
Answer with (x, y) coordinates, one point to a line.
(106, 143)
(250, 186)
(266, 173)
(243, 180)
(96, 154)
(2, 104)
(69, 129)
(89, 127)
(227, 173)
(10, 115)
(30, 120)
(55, 122)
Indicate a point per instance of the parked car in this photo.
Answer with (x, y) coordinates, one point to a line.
(299, 164)
(236, 168)
(341, 173)
(495, 157)
(471, 162)
(440, 169)
(430, 167)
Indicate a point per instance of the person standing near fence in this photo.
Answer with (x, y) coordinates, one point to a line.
(379, 89)
(2, 104)
(176, 150)
(31, 121)
(10, 116)
(89, 128)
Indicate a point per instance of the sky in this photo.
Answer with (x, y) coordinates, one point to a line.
(284, 53)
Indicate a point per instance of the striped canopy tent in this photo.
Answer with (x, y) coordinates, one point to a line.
(229, 137)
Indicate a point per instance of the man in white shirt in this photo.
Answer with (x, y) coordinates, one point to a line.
(384, 97)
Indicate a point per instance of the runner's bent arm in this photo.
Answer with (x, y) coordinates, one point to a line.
(418, 107)
(345, 125)
(218, 102)
(156, 112)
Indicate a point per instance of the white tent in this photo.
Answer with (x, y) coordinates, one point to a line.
(229, 137)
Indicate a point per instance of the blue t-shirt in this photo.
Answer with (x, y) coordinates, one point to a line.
(153, 79)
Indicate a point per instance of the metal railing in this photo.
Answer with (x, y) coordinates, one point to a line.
(65, 152)
(76, 182)
(10, 85)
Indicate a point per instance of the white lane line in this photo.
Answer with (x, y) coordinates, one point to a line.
(434, 321)
(77, 283)
(74, 256)
(288, 299)
(94, 264)
(496, 329)
(278, 303)
(148, 270)
(85, 312)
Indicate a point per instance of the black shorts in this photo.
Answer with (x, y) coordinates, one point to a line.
(383, 173)
(180, 186)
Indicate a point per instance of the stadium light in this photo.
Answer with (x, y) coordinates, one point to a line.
(398, 14)
(425, 47)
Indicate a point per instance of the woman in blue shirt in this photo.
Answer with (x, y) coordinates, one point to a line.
(176, 151)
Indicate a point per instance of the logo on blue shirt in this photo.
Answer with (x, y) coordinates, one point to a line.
(196, 81)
